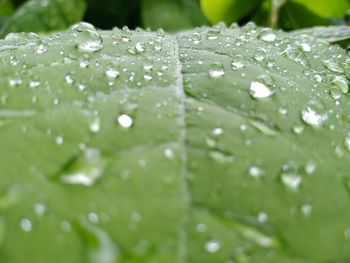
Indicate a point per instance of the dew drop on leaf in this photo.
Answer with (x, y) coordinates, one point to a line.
(256, 172)
(267, 35)
(125, 121)
(220, 157)
(341, 82)
(347, 142)
(213, 33)
(41, 49)
(212, 246)
(262, 217)
(333, 66)
(169, 153)
(306, 209)
(95, 125)
(26, 224)
(111, 73)
(314, 114)
(86, 170)
(290, 176)
(216, 70)
(87, 37)
(259, 90)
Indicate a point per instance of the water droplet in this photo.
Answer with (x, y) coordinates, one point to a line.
(15, 82)
(256, 172)
(298, 129)
(333, 66)
(238, 62)
(86, 170)
(147, 77)
(201, 228)
(306, 209)
(197, 38)
(216, 70)
(221, 157)
(95, 125)
(341, 82)
(290, 176)
(69, 79)
(66, 226)
(213, 33)
(260, 55)
(315, 114)
(212, 246)
(26, 225)
(267, 35)
(140, 48)
(112, 74)
(41, 49)
(305, 47)
(169, 153)
(87, 37)
(99, 246)
(93, 217)
(335, 93)
(217, 131)
(125, 121)
(39, 209)
(59, 140)
(259, 90)
(347, 142)
(262, 217)
(310, 167)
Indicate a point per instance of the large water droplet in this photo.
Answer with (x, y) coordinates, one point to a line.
(341, 82)
(258, 90)
(26, 225)
(86, 170)
(315, 114)
(290, 176)
(87, 37)
(333, 66)
(125, 121)
(238, 62)
(212, 246)
(267, 35)
(216, 70)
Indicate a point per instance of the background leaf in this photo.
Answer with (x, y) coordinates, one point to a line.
(227, 10)
(325, 8)
(172, 15)
(44, 16)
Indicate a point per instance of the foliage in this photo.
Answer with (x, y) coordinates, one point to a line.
(171, 15)
(212, 145)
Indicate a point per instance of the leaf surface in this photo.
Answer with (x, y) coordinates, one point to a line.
(214, 145)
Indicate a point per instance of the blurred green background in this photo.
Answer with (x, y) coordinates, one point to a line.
(171, 15)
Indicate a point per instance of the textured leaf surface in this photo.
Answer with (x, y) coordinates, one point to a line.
(214, 145)
(330, 33)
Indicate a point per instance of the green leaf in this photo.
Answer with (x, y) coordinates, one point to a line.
(326, 8)
(44, 16)
(212, 145)
(172, 15)
(6, 7)
(227, 11)
(294, 16)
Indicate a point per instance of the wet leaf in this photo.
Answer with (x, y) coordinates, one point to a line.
(212, 145)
